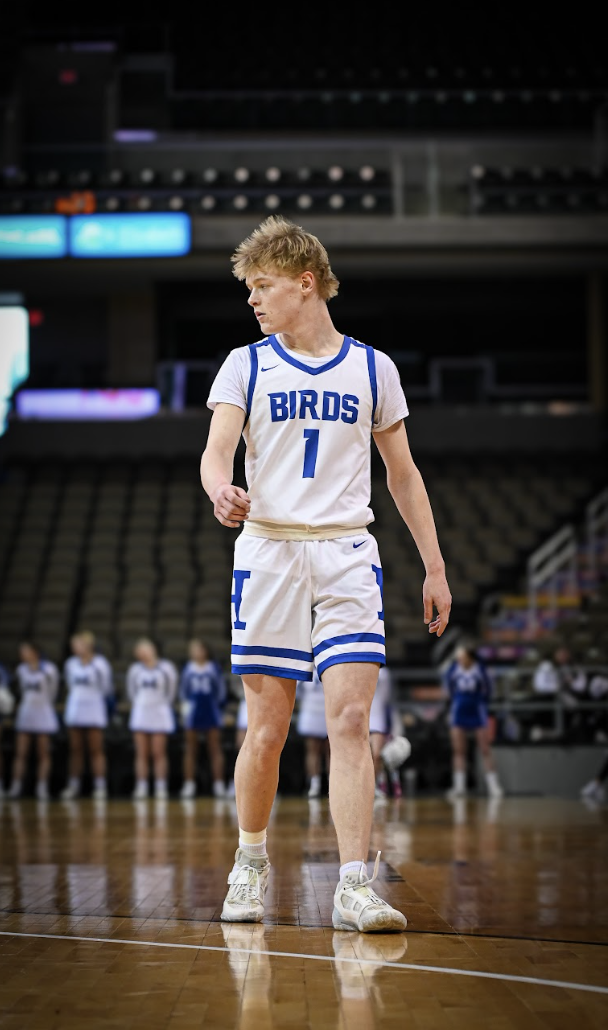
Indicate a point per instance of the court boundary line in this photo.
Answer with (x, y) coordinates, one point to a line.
(450, 970)
(466, 935)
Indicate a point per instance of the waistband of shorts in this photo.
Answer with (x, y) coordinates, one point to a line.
(273, 532)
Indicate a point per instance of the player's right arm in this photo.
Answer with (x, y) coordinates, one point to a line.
(230, 503)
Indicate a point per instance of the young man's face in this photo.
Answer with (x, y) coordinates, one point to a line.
(277, 300)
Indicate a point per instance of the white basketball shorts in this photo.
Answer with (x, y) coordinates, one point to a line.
(301, 603)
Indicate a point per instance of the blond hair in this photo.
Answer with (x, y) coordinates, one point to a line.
(87, 637)
(284, 247)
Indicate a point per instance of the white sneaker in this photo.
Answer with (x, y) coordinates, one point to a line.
(69, 793)
(161, 793)
(452, 794)
(495, 790)
(219, 790)
(248, 882)
(358, 907)
(314, 791)
(594, 790)
(100, 794)
(188, 790)
(42, 792)
(14, 791)
(141, 792)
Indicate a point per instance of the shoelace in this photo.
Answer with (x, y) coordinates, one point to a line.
(247, 887)
(366, 884)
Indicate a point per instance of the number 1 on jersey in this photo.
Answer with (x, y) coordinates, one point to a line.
(311, 448)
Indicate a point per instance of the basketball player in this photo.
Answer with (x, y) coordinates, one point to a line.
(469, 686)
(89, 682)
(203, 694)
(311, 725)
(36, 717)
(307, 586)
(151, 688)
(239, 737)
(380, 718)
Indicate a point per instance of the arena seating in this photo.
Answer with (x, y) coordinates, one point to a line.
(132, 548)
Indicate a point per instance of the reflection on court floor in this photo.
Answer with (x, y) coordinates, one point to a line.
(110, 917)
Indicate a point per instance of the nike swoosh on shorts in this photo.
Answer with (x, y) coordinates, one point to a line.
(359, 545)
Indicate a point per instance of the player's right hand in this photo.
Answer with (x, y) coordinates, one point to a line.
(231, 505)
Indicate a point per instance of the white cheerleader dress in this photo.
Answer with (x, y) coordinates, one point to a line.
(38, 688)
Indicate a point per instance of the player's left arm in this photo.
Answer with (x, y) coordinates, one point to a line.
(409, 493)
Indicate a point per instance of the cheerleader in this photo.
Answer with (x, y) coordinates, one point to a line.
(152, 689)
(312, 727)
(7, 705)
(90, 688)
(469, 687)
(380, 721)
(202, 691)
(38, 682)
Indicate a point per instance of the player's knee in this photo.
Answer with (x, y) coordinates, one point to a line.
(351, 721)
(266, 741)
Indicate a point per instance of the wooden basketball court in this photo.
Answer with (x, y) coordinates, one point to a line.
(110, 918)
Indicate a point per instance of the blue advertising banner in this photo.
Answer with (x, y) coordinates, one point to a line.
(33, 236)
(130, 235)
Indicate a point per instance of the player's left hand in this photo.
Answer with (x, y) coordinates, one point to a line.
(436, 592)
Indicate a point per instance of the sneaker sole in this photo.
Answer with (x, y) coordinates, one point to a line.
(247, 918)
(384, 922)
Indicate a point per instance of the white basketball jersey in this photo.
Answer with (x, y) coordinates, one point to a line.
(308, 434)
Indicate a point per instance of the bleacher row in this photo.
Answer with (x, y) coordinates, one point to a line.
(132, 548)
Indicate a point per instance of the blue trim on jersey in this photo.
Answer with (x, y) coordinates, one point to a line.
(252, 378)
(315, 371)
(371, 364)
(352, 656)
(274, 652)
(271, 670)
(349, 638)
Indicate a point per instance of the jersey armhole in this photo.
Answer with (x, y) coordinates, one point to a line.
(373, 382)
(253, 374)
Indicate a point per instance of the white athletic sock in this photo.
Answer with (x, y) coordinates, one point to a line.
(160, 784)
(358, 868)
(74, 782)
(100, 782)
(460, 780)
(315, 782)
(253, 844)
(142, 784)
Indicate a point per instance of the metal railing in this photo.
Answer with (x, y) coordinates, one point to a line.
(553, 569)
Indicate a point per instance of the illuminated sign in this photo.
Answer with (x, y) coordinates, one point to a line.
(14, 356)
(130, 235)
(87, 405)
(33, 236)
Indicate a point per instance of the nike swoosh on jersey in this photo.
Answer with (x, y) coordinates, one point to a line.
(359, 545)
(267, 369)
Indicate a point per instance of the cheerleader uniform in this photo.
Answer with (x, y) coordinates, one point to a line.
(90, 686)
(470, 691)
(38, 689)
(241, 715)
(380, 711)
(202, 689)
(311, 714)
(152, 693)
